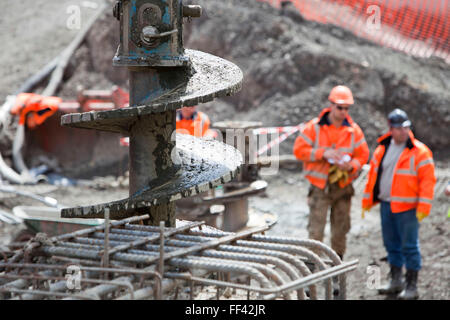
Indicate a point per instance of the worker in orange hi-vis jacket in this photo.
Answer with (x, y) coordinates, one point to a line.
(402, 179)
(193, 122)
(333, 150)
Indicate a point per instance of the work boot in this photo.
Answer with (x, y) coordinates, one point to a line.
(396, 284)
(410, 292)
(336, 285)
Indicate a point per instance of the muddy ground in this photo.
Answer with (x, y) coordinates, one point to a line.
(289, 67)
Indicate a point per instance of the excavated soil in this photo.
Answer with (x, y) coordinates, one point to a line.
(289, 67)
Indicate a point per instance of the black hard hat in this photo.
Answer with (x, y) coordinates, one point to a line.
(398, 118)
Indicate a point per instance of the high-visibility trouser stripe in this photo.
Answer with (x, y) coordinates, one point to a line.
(411, 200)
(316, 174)
(424, 162)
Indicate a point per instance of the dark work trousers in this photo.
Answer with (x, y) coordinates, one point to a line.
(339, 199)
(401, 237)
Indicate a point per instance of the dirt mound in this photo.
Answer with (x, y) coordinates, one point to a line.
(290, 65)
(91, 66)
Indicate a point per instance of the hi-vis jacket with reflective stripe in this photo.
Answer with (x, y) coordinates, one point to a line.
(413, 181)
(197, 125)
(318, 135)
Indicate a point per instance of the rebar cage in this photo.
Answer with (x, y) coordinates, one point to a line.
(125, 259)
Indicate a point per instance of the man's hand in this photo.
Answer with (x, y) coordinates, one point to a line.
(363, 213)
(346, 166)
(331, 154)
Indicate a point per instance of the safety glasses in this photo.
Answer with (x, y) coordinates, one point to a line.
(341, 108)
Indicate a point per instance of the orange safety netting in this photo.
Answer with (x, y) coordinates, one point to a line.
(417, 27)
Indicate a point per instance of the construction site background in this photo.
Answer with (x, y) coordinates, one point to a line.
(289, 66)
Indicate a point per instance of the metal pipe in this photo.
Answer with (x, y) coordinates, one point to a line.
(268, 272)
(145, 228)
(148, 292)
(229, 267)
(136, 233)
(255, 253)
(261, 259)
(289, 270)
(192, 238)
(48, 201)
(192, 249)
(272, 292)
(321, 275)
(125, 239)
(106, 253)
(74, 245)
(53, 287)
(314, 244)
(95, 255)
(215, 243)
(293, 249)
(94, 243)
(133, 272)
(292, 260)
(191, 278)
(105, 287)
(140, 240)
(21, 283)
(94, 292)
(299, 264)
(98, 228)
(265, 246)
(161, 249)
(258, 260)
(46, 293)
(9, 218)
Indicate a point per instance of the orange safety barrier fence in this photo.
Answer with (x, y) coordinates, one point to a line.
(416, 27)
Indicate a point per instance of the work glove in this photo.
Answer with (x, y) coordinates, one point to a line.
(335, 174)
(363, 213)
(420, 216)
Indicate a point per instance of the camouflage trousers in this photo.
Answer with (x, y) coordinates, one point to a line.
(339, 199)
